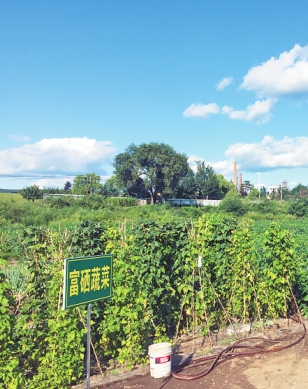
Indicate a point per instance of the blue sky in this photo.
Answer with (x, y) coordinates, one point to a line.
(219, 81)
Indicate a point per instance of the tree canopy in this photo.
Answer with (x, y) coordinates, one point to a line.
(87, 184)
(299, 191)
(150, 169)
(67, 186)
(207, 182)
(32, 192)
(187, 187)
(112, 187)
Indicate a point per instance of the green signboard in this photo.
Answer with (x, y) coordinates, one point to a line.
(87, 279)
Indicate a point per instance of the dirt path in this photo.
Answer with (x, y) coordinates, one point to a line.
(287, 369)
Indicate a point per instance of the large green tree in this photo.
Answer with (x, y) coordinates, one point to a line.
(253, 194)
(87, 184)
(187, 187)
(150, 169)
(112, 187)
(207, 182)
(224, 185)
(299, 191)
(246, 188)
(32, 192)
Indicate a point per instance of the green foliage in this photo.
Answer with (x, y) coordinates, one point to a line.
(50, 340)
(160, 249)
(233, 194)
(246, 188)
(150, 169)
(210, 239)
(10, 373)
(59, 202)
(32, 192)
(265, 207)
(187, 187)
(224, 185)
(144, 301)
(263, 193)
(9, 243)
(279, 268)
(116, 202)
(87, 184)
(52, 190)
(207, 182)
(299, 207)
(123, 326)
(253, 194)
(17, 277)
(299, 191)
(11, 198)
(113, 187)
(242, 275)
(232, 203)
(280, 194)
(159, 290)
(87, 239)
(93, 202)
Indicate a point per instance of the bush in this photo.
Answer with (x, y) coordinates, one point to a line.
(299, 207)
(233, 203)
(120, 202)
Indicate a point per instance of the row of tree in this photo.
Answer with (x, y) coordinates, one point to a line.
(156, 171)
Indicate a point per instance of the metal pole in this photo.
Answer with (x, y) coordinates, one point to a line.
(88, 345)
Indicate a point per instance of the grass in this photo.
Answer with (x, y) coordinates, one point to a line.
(12, 197)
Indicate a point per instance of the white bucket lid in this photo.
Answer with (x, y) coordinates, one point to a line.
(160, 346)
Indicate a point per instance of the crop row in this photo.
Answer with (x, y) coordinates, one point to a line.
(170, 278)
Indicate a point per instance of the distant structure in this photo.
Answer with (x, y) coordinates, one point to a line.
(46, 195)
(237, 183)
(275, 188)
(193, 202)
(235, 174)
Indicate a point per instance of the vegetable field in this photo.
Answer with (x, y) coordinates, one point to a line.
(170, 278)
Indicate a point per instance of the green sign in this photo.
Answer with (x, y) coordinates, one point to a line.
(86, 279)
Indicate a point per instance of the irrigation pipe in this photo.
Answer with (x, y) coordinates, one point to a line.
(230, 353)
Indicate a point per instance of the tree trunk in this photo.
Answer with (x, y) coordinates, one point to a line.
(152, 197)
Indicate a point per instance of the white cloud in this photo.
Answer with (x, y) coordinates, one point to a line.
(282, 76)
(271, 153)
(287, 74)
(20, 138)
(257, 112)
(192, 161)
(224, 167)
(221, 167)
(201, 110)
(267, 155)
(224, 83)
(56, 155)
(52, 182)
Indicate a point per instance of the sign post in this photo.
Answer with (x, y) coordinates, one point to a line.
(88, 345)
(86, 280)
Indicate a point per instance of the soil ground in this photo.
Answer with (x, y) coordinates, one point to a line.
(286, 369)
